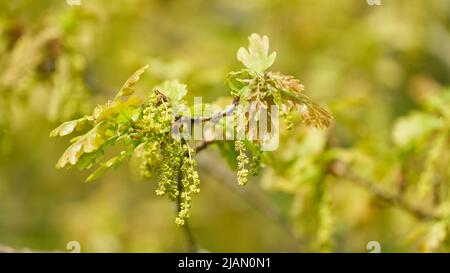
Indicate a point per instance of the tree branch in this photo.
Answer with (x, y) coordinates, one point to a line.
(203, 145)
(252, 196)
(340, 169)
(216, 117)
(180, 120)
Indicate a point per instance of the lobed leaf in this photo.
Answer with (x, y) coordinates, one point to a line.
(86, 143)
(127, 89)
(256, 57)
(69, 127)
(173, 89)
(114, 162)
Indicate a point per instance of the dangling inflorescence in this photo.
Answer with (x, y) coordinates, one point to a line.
(242, 159)
(176, 177)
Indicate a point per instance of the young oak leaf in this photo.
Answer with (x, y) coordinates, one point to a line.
(104, 167)
(128, 87)
(256, 57)
(291, 91)
(86, 143)
(173, 89)
(103, 111)
(69, 127)
(411, 129)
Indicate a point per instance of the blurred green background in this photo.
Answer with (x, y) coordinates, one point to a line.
(372, 66)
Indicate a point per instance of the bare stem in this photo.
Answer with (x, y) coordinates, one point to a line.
(203, 145)
(180, 120)
(216, 117)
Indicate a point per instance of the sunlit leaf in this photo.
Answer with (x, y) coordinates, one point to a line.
(68, 127)
(414, 127)
(104, 167)
(235, 81)
(128, 88)
(256, 57)
(314, 115)
(86, 143)
(103, 111)
(99, 172)
(87, 160)
(436, 236)
(173, 89)
(229, 153)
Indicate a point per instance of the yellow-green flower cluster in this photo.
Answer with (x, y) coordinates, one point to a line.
(171, 159)
(189, 183)
(242, 160)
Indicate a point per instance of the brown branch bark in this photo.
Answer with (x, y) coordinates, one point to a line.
(180, 120)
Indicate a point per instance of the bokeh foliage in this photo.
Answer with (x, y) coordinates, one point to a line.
(380, 173)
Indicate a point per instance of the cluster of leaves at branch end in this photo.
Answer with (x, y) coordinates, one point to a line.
(261, 88)
(144, 129)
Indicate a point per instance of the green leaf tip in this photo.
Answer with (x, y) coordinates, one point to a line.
(173, 89)
(256, 57)
(127, 89)
(69, 127)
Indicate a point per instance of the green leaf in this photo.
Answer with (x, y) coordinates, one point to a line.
(86, 143)
(413, 128)
(235, 80)
(104, 167)
(436, 236)
(173, 89)
(69, 127)
(256, 57)
(439, 102)
(99, 172)
(127, 89)
(229, 153)
(111, 108)
(103, 111)
(426, 178)
(87, 160)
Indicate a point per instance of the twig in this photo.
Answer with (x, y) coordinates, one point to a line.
(253, 197)
(203, 145)
(258, 202)
(216, 117)
(384, 194)
(180, 120)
